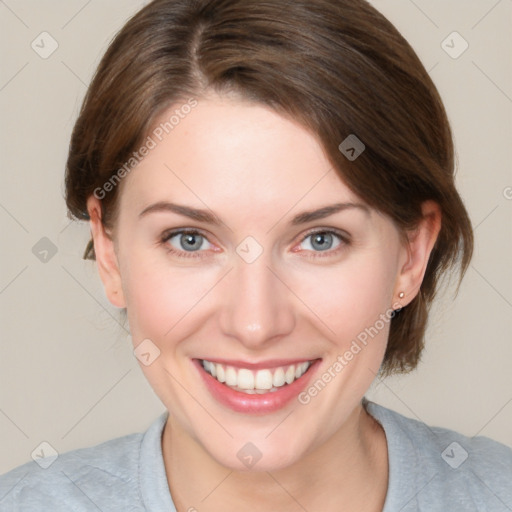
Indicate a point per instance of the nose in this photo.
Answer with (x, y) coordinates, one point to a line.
(258, 308)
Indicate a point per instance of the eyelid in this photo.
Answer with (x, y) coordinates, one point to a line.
(344, 237)
(171, 233)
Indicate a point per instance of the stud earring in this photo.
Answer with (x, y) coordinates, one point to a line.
(401, 295)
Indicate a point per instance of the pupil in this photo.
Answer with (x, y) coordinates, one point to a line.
(191, 242)
(323, 241)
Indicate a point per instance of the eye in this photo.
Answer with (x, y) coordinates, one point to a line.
(323, 241)
(185, 242)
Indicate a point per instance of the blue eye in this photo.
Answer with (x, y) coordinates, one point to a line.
(190, 243)
(185, 241)
(322, 241)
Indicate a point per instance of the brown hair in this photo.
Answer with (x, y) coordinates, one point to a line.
(336, 66)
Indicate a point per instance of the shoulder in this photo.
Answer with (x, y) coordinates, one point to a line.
(81, 479)
(440, 467)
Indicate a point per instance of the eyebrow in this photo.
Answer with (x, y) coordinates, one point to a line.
(208, 217)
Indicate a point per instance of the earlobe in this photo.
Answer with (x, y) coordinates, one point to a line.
(419, 245)
(106, 257)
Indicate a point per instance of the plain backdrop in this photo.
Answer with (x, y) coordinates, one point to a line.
(67, 372)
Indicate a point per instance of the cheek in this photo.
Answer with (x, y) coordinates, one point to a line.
(160, 298)
(354, 302)
(351, 297)
(164, 306)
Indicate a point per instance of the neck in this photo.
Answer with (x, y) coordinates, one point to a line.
(350, 468)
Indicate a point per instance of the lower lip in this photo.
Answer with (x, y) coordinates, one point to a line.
(255, 404)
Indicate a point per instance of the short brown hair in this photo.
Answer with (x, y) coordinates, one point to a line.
(336, 66)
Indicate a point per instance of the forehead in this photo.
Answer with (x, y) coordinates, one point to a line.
(228, 153)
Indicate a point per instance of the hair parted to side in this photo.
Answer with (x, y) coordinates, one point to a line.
(338, 67)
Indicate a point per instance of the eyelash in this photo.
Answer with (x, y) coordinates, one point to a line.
(344, 241)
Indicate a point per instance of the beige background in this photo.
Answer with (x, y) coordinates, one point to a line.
(67, 373)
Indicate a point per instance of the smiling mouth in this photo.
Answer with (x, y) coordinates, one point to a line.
(265, 380)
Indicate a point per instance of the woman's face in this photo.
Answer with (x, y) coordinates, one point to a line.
(239, 245)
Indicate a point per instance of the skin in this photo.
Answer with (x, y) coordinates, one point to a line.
(255, 170)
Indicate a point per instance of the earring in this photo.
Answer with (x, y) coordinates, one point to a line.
(401, 295)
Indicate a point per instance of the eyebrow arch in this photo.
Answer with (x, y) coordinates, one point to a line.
(187, 211)
(326, 211)
(208, 217)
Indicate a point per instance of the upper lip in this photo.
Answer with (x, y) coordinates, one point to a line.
(269, 363)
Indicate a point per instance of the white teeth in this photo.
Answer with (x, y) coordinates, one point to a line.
(263, 379)
(231, 378)
(301, 369)
(221, 374)
(260, 381)
(289, 376)
(246, 379)
(278, 379)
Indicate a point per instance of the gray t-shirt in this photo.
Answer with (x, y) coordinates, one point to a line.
(430, 469)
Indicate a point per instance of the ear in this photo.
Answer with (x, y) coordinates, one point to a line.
(108, 266)
(417, 249)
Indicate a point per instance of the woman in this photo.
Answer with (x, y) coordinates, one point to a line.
(271, 198)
